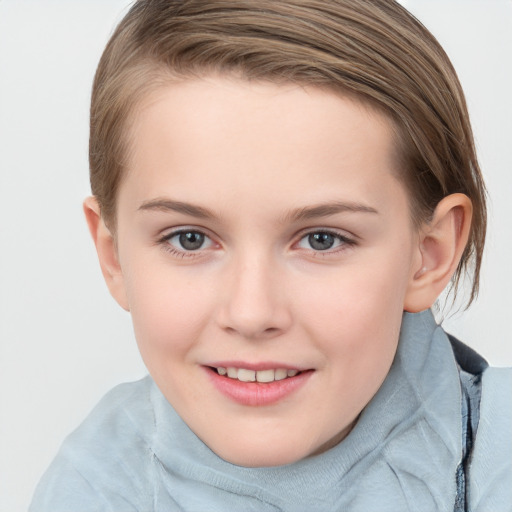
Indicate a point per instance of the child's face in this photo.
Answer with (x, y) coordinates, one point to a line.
(260, 227)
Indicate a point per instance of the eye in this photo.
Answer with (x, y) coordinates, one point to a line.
(188, 240)
(324, 241)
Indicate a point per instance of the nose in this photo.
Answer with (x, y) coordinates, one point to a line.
(254, 304)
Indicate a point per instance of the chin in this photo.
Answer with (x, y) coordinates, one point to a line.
(254, 445)
(257, 459)
(265, 454)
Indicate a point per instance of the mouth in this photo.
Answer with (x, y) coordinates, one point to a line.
(247, 375)
(257, 387)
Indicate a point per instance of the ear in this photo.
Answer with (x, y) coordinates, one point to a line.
(441, 244)
(107, 251)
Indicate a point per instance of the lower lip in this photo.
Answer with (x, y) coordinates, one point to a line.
(258, 393)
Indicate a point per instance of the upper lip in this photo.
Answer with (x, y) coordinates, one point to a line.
(264, 365)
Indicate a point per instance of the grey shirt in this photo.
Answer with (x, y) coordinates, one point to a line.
(134, 453)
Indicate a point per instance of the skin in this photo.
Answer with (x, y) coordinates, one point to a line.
(255, 161)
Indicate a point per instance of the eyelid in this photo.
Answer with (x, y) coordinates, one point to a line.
(342, 233)
(346, 239)
(169, 233)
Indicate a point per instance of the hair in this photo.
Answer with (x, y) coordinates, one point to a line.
(374, 50)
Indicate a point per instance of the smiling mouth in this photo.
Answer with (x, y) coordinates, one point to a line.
(263, 376)
(257, 387)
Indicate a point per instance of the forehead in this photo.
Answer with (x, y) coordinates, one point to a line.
(206, 137)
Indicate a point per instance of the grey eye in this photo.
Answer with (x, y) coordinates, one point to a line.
(191, 240)
(321, 241)
(188, 241)
(324, 241)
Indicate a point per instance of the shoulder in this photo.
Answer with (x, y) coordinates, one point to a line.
(491, 464)
(124, 416)
(105, 456)
(126, 406)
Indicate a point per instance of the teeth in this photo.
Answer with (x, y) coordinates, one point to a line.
(265, 376)
(245, 375)
(280, 374)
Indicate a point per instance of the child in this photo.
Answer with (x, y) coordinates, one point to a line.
(282, 189)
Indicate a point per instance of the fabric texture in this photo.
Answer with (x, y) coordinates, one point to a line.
(134, 453)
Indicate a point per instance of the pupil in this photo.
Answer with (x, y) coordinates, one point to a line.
(321, 241)
(191, 240)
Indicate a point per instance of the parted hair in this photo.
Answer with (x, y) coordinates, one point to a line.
(374, 50)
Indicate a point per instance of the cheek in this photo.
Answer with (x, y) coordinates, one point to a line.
(168, 312)
(355, 321)
(362, 299)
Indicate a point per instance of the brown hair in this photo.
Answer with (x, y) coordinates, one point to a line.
(374, 49)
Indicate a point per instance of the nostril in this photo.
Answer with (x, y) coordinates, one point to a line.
(253, 319)
(249, 332)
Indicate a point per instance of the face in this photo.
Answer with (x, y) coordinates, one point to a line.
(266, 249)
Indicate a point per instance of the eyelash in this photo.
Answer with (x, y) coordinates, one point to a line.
(165, 243)
(344, 242)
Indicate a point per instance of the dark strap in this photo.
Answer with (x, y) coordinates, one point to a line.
(471, 366)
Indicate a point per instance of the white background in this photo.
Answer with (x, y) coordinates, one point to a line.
(63, 340)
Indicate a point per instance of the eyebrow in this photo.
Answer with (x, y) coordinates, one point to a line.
(166, 205)
(299, 214)
(326, 209)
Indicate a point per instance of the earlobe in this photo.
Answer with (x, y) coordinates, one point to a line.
(441, 244)
(107, 251)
